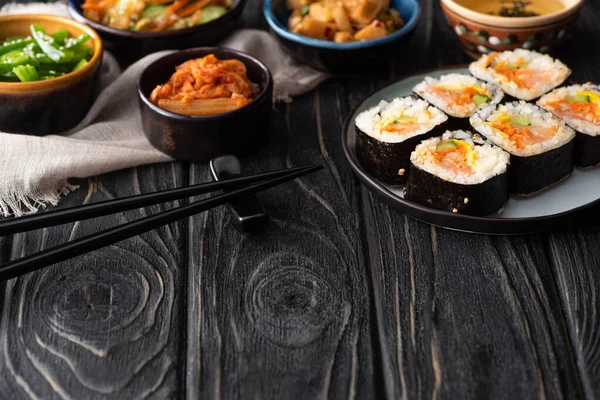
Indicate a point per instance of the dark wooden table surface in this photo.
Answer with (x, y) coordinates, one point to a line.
(342, 297)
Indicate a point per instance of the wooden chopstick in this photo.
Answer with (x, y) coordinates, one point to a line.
(110, 236)
(80, 213)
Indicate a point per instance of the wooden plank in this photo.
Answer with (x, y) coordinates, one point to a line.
(460, 315)
(284, 313)
(574, 254)
(575, 260)
(466, 316)
(106, 324)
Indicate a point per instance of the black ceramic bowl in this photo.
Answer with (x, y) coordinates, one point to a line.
(342, 57)
(200, 138)
(53, 105)
(129, 46)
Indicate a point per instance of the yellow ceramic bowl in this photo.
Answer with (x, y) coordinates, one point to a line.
(52, 105)
(480, 33)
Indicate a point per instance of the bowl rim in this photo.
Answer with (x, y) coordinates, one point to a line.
(268, 87)
(44, 85)
(511, 22)
(127, 34)
(281, 30)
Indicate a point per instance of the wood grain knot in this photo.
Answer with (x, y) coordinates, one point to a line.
(83, 316)
(288, 303)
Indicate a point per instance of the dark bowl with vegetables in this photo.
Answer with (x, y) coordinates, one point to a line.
(150, 26)
(49, 67)
(196, 137)
(319, 46)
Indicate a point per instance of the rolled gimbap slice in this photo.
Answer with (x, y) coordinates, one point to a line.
(459, 172)
(523, 74)
(459, 96)
(540, 145)
(386, 135)
(579, 107)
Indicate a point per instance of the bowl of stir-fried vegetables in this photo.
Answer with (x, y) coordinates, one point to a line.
(134, 28)
(48, 72)
(342, 35)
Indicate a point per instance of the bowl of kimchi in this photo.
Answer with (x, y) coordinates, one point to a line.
(131, 29)
(201, 103)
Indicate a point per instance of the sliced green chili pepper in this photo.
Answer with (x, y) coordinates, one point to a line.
(26, 73)
(46, 43)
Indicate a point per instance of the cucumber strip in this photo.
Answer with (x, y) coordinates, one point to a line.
(520, 120)
(153, 11)
(212, 12)
(447, 145)
(579, 99)
(480, 99)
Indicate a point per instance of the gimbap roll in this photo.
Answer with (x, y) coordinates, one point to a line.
(523, 74)
(540, 145)
(579, 107)
(459, 96)
(459, 172)
(386, 135)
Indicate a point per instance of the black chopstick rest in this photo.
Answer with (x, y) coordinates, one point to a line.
(247, 213)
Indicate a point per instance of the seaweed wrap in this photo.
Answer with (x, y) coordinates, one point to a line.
(541, 145)
(388, 133)
(579, 107)
(523, 74)
(459, 172)
(459, 96)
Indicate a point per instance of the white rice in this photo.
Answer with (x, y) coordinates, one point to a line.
(457, 81)
(372, 120)
(557, 72)
(482, 120)
(488, 162)
(579, 124)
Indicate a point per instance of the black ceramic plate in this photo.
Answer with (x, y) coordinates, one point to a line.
(573, 201)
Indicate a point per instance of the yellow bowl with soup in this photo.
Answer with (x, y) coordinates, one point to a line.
(498, 25)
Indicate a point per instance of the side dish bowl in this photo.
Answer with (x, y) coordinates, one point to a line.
(53, 105)
(200, 138)
(341, 57)
(128, 46)
(480, 33)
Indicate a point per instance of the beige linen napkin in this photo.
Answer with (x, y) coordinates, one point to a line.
(34, 171)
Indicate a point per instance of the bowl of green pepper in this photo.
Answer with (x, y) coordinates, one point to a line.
(49, 66)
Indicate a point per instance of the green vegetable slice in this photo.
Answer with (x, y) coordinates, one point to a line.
(480, 99)
(17, 44)
(212, 12)
(447, 145)
(405, 119)
(82, 63)
(154, 11)
(579, 99)
(76, 43)
(304, 10)
(60, 35)
(520, 120)
(26, 73)
(46, 43)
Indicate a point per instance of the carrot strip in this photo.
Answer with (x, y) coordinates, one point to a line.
(155, 2)
(101, 5)
(177, 5)
(192, 8)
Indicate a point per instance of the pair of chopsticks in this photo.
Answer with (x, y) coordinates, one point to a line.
(110, 236)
